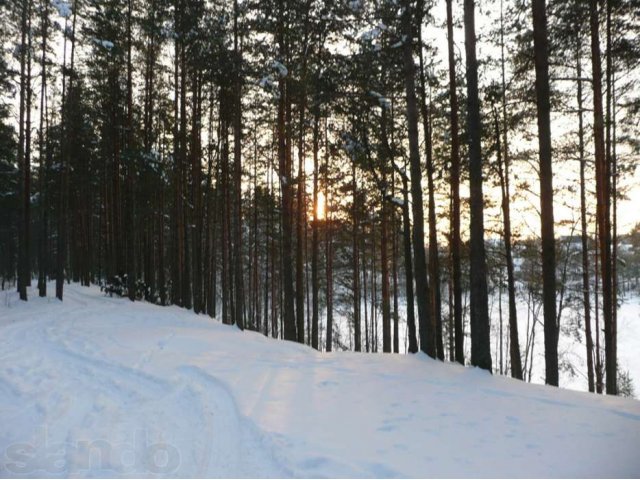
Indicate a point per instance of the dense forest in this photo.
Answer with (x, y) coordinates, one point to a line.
(331, 172)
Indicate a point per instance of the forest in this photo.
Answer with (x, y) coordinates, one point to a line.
(348, 174)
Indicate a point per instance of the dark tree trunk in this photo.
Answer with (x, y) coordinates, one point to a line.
(454, 180)
(328, 247)
(611, 162)
(186, 294)
(300, 227)
(603, 192)
(26, 260)
(284, 140)
(196, 183)
(583, 223)
(356, 260)
(427, 337)
(314, 236)
(408, 267)
(237, 176)
(434, 261)
(131, 181)
(384, 270)
(63, 196)
(43, 152)
(177, 249)
(503, 171)
(480, 340)
(394, 268)
(514, 341)
(541, 51)
(23, 163)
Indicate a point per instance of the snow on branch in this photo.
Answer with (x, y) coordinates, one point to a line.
(383, 101)
(64, 8)
(280, 69)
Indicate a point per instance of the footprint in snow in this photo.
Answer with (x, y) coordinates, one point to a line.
(387, 428)
(327, 383)
(512, 419)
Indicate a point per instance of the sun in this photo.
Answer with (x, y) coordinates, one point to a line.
(321, 210)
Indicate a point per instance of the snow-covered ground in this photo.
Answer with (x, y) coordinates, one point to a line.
(100, 386)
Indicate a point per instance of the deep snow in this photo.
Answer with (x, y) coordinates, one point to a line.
(98, 386)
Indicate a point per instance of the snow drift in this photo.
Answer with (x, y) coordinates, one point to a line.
(99, 386)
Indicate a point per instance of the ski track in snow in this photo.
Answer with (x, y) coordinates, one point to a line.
(98, 386)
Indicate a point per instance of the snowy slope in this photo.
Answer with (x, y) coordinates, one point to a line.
(98, 386)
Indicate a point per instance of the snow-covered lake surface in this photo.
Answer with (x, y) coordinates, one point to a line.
(100, 386)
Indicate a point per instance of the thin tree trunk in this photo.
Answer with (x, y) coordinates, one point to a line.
(427, 337)
(434, 261)
(224, 186)
(22, 159)
(394, 268)
(454, 180)
(514, 341)
(384, 270)
(43, 139)
(584, 233)
(356, 260)
(408, 267)
(130, 208)
(603, 190)
(300, 227)
(611, 161)
(237, 175)
(63, 198)
(598, 366)
(328, 253)
(364, 292)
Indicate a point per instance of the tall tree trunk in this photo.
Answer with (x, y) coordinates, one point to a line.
(603, 192)
(63, 197)
(328, 245)
(612, 167)
(224, 187)
(365, 296)
(408, 267)
(284, 117)
(503, 171)
(131, 181)
(514, 340)
(356, 260)
(237, 174)
(541, 51)
(427, 337)
(614, 228)
(196, 183)
(177, 248)
(300, 225)
(43, 152)
(394, 269)
(583, 222)
(434, 261)
(26, 264)
(187, 214)
(480, 341)
(454, 181)
(22, 158)
(314, 235)
(384, 270)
